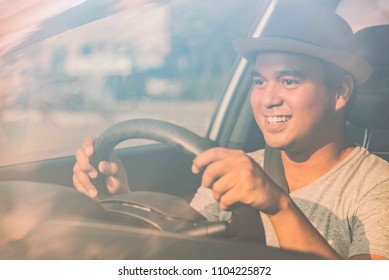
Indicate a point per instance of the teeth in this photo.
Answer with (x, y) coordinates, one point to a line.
(278, 119)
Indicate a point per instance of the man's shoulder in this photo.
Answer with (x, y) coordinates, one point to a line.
(372, 165)
(366, 172)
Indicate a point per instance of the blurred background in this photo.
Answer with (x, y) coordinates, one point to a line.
(70, 69)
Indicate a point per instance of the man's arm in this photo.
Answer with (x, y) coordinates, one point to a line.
(370, 225)
(367, 257)
(294, 231)
(234, 177)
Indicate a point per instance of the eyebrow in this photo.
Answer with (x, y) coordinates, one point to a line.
(291, 72)
(281, 73)
(255, 74)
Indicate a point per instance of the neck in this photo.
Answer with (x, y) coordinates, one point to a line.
(304, 167)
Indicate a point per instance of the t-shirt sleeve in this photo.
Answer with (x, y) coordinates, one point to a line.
(370, 234)
(205, 204)
(258, 156)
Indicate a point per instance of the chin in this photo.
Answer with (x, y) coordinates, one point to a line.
(275, 143)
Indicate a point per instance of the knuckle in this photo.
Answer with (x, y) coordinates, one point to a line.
(83, 178)
(103, 167)
(214, 152)
(79, 152)
(75, 168)
(76, 183)
(246, 164)
(210, 170)
(241, 153)
(216, 195)
(224, 201)
(246, 172)
(207, 179)
(112, 184)
(217, 187)
(89, 141)
(114, 168)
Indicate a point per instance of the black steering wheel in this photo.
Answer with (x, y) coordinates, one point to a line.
(173, 135)
(162, 204)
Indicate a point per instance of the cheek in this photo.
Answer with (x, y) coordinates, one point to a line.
(255, 107)
(321, 104)
(313, 108)
(255, 102)
(254, 99)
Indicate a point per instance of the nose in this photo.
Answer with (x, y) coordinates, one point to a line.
(267, 97)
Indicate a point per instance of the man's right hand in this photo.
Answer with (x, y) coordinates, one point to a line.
(83, 171)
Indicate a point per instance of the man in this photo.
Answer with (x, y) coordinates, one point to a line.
(304, 71)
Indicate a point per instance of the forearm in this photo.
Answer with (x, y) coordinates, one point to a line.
(294, 231)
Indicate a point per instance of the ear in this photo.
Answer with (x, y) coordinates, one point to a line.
(344, 90)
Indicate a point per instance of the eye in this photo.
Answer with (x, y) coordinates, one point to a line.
(289, 82)
(258, 82)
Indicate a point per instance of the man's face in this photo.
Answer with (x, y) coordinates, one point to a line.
(291, 103)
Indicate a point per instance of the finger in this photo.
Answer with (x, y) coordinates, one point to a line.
(223, 185)
(216, 170)
(83, 183)
(229, 198)
(91, 192)
(87, 145)
(208, 157)
(84, 164)
(77, 184)
(113, 184)
(108, 168)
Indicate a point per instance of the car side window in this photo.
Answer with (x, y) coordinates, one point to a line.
(164, 60)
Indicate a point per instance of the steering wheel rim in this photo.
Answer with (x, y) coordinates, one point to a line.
(167, 133)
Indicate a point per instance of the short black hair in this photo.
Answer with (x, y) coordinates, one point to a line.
(333, 74)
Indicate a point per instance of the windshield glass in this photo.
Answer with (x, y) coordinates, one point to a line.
(164, 60)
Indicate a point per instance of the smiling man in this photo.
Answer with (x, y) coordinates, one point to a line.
(304, 71)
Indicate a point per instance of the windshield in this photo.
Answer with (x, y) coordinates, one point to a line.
(94, 66)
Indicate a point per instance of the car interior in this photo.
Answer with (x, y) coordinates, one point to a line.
(367, 116)
(69, 220)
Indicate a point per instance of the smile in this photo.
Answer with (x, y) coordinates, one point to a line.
(277, 119)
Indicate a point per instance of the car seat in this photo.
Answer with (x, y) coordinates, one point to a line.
(368, 111)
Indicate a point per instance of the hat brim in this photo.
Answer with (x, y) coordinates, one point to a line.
(356, 66)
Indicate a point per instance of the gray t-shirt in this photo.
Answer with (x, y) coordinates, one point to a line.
(349, 205)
